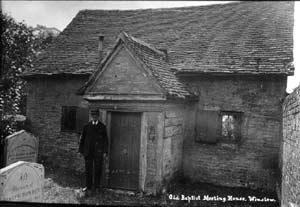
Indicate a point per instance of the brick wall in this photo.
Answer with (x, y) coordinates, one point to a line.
(254, 161)
(44, 109)
(290, 192)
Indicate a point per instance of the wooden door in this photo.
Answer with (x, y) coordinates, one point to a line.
(125, 132)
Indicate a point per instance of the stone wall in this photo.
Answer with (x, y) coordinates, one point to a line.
(172, 144)
(176, 129)
(44, 110)
(153, 151)
(253, 162)
(290, 192)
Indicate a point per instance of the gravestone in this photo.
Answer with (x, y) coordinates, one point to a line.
(20, 146)
(22, 181)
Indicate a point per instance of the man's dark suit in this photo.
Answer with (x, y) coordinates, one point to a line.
(93, 144)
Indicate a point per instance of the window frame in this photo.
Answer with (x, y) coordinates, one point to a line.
(62, 126)
(240, 116)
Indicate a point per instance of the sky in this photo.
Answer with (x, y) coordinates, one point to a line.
(60, 13)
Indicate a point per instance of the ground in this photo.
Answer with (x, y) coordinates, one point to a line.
(64, 186)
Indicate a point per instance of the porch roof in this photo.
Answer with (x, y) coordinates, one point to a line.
(154, 60)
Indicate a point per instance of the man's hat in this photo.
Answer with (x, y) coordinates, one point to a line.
(95, 112)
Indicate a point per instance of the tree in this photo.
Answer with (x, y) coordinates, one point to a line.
(44, 37)
(20, 44)
(18, 51)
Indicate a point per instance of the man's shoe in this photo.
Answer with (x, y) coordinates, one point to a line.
(87, 191)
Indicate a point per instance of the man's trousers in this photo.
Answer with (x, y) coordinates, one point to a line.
(93, 169)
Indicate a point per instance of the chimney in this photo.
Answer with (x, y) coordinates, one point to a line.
(100, 46)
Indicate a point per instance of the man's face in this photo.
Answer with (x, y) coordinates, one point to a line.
(95, 117)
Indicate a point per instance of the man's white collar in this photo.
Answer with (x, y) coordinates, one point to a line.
(95, 122)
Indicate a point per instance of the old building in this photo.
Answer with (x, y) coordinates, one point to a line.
(193, 91)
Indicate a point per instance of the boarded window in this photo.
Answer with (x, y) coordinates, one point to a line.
(231, 126)
(68, 119)
(208, 126)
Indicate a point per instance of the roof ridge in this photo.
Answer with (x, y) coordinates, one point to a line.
(159, 68)
(143, 43)
(164, 9)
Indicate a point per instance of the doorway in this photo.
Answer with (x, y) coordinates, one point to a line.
(125, 134)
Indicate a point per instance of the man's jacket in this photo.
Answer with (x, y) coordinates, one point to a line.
(93, 139)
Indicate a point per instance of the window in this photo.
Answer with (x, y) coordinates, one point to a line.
(231, 126)
(68, 119)
(214, 126)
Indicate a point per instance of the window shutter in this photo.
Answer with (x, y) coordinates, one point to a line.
(68, 118)
(103, 116)
(82, 118)
(208, 126)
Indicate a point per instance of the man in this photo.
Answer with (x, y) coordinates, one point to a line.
(93, 145)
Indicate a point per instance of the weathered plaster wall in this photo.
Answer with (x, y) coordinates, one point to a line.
(290, 192)
(124, 75)
(254, 161)
(44, 109)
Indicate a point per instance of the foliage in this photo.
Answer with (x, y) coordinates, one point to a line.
(17, 53)
(44, 37)
(20, 45)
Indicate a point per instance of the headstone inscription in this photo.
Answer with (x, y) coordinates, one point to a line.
(22, 181)
(20, 146)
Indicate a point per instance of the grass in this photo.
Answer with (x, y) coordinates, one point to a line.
(63, 186)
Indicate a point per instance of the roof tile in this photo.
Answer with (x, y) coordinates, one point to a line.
(216, 38)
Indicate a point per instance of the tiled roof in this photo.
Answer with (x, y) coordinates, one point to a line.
(154, 61)
(239, 37)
